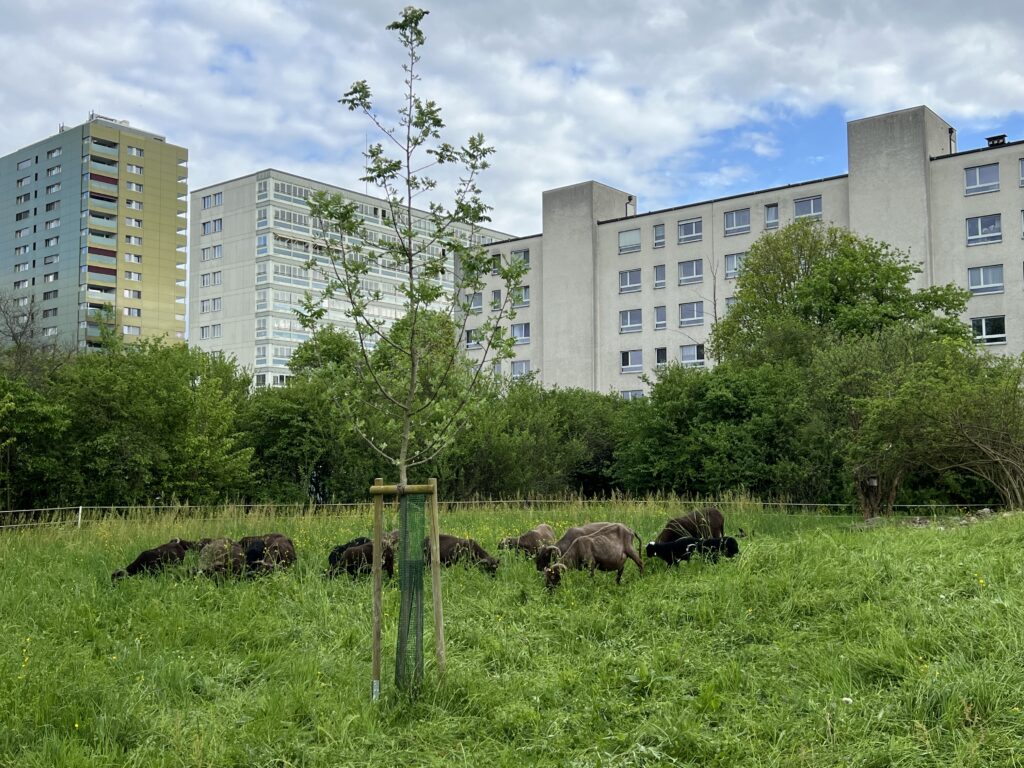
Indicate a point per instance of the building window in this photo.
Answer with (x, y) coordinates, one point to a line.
(629, 241)
(48, 295)
(1022, 171)
(522, 255)
(133, 222)
(21, 250)
(21, 215)
(476, 303)
(131, 293)
(209, 227)
(660, 318)
(50, 242)
(629, 281)
(24, 181)
(495, 263)
(496, 367)
(631, 361)
(53, 170)
(989, 330)
(730, 302)
(691, 271)
(22, 267)
(135, 151)
(133, 186)
(22, 301)
(692, 355)
(55, 152)
(51, 207)
(660, 357)
(985, 229)
(521, 333)
(137, 169)
(807, 207)
(23, 164)
(23, 232)
(495, 300)
(737, 222)
(53, 258)
(522, 297)
(50, 331)
(733, 262)
(135, 205)
(20, 199)
(53, 188)
(691, 230)
(631, 321)
(981, 178)
(209, 201)
(215, 331)
(771, 216)
(472, 338)
(213, 252)
(520, 368)
(52, 312)
(19, 284)
(659, 235)
(691, 313)
(133, 239)
(632, 394)
(50, 277)
(129, 275)
(985, 279)
(133, 258)
(659, 275)
(132, 312)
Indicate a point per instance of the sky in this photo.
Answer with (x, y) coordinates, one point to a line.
(674, 102)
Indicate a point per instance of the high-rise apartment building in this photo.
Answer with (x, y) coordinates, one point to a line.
(251, 238)
(92, 219)
(612, 295)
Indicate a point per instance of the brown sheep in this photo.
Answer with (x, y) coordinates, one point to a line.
(356, 559)
(545, 555)
(605, 550)
(267, 553)
(706, 523)
(452, 550)
(222, 557)
(155, 559)
(531, 541)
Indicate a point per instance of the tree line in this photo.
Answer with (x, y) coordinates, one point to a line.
(834, 381)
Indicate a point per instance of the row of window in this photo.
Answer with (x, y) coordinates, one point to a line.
(211, 201)
(690, 272)
(520, 332)
(690, 313)
(632, 360)
(522, 299)
(980, 179)
(212, 226)
(27, 162)
(210, 331)
(736, 222)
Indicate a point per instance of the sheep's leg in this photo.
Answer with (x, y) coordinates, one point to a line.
(618, 575)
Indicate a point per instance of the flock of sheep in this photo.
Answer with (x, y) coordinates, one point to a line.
(602, 546)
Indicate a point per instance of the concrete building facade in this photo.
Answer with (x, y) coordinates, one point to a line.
(251, 238)
(92, 219)
(613, 294)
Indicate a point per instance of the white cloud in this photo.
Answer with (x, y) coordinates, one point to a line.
(633, 97)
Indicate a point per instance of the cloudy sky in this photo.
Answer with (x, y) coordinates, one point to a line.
(672, 101)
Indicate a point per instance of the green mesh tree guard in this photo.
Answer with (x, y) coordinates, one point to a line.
(409, 656)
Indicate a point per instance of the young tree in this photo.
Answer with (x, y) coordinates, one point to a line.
(415, 385)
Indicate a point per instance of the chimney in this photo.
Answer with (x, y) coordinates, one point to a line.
(996, 141)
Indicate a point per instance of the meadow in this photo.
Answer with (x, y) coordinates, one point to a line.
(824, 643)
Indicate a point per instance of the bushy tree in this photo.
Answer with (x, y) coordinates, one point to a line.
(808, 285)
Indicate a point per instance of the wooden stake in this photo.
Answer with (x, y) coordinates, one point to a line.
(378, 542)
(435, 577)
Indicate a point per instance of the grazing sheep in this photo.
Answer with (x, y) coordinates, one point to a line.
(672, 552)
(700, 524)
(710, 549)
(531, 541)
(155, 559)
(605, 550)
(357, 558)
(267, 553)
(452, 549)
(545, 555)
(222, 557)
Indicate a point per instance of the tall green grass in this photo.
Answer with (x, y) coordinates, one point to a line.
(824, 643)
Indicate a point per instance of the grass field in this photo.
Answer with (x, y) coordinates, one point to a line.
(823, 644)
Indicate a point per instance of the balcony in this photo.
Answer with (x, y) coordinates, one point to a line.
(107, 169)
(102, 149)
(102, 240)
(103, 221)
(99, 202)
(102, 186)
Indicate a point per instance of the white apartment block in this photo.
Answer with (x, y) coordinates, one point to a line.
(612, 294)
(250, 240)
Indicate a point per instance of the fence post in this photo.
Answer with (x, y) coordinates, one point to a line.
(378, 536)
(79, 522)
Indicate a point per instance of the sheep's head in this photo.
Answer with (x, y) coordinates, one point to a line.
(546, 556)
(553, 575)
